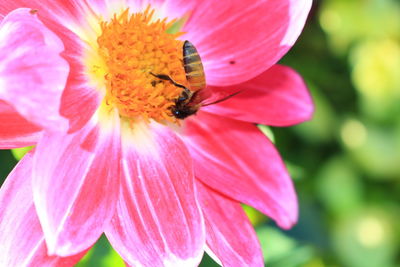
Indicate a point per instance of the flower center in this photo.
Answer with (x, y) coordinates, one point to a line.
(133, 46)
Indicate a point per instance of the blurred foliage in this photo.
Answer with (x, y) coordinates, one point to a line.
(101, 255)
(346, 161)
(349, 54)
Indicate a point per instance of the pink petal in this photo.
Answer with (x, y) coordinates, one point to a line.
(277, 97)
(68, 11)
(230, 235)
(158, 221)
(66, 19)
(76, 184)
(80, 99)
(22, 242)
(16, 131)
(238, 40)
(236, 159)
(32, 72)
(106, 9)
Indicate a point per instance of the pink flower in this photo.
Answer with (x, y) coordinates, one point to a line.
(75, 81)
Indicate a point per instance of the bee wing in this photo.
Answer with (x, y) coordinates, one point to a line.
(200, 96)
(212, 95)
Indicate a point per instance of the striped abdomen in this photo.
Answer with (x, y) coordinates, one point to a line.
(193, 67)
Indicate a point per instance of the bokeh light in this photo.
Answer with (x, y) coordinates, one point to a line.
(353, 133)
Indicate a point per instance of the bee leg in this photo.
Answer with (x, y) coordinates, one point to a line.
(167, 78)
(162, 77)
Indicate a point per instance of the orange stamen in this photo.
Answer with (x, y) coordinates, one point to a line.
(132, 46)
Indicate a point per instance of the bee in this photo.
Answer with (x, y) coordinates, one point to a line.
(190, 100)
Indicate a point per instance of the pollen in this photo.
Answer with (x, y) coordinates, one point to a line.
(132, 47)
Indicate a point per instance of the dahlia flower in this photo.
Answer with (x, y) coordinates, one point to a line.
(76, 81)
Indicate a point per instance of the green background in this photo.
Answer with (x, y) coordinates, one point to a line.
(346, 161)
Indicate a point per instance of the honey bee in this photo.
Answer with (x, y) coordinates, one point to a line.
(190, 100)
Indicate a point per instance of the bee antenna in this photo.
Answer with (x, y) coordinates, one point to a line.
(222, 99)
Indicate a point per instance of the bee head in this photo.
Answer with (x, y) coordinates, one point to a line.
(182, 112)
